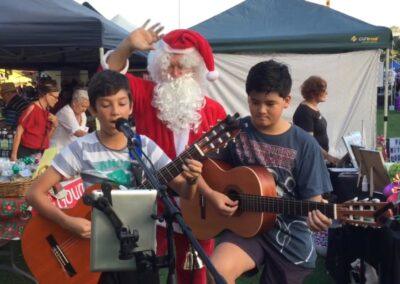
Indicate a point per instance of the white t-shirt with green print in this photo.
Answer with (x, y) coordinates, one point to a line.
(96, 163)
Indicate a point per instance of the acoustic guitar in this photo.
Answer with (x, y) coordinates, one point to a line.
(56, 255)
(254, 187)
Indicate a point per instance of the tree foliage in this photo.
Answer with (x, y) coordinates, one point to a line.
(396, 42)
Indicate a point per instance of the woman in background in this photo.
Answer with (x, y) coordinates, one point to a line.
(71, 120)
(308, 117)
(36, 124)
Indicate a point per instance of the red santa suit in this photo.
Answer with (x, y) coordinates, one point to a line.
(147, 123)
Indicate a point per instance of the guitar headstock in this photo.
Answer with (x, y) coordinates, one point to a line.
(219, 135)
(360, 213)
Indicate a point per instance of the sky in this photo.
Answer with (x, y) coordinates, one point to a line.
(186, 13)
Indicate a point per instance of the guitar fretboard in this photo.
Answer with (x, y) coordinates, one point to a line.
(255, 203)
(173, 169)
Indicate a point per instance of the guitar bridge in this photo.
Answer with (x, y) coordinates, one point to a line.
(60, 256)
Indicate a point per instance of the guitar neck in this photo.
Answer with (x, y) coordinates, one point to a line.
(173, 169)
(254, 203)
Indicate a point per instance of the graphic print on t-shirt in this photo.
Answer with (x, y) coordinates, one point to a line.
(278, 160)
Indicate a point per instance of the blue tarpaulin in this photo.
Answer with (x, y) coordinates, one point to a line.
(53, 34)
(290, 26)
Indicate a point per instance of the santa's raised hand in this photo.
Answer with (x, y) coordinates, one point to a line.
(143, 38)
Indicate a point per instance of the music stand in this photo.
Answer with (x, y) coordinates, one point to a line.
(357, 157)
(352, 139)
(374, 169)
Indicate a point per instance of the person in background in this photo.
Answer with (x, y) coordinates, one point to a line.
(14, 103)
(36, 124)
(308, 117)
(173, 109)
(29, 93)
(71, 120)
(66, 92)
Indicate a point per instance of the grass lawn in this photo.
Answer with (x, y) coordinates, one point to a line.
(393, 129)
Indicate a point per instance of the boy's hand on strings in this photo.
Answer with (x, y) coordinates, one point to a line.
(80, 226)
(192, 171)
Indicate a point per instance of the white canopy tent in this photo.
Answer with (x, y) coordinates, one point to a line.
(352, 79)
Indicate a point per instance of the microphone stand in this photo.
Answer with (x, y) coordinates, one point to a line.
(171, 214)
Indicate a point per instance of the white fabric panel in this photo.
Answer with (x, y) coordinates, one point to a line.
(352, 86)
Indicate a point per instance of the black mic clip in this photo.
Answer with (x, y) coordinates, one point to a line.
(125, 127)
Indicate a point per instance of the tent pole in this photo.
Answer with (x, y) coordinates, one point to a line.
(386, 93)
(101, 54)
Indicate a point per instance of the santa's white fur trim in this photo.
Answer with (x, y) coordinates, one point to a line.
(105, 66)
(168, 49)
(213, 75)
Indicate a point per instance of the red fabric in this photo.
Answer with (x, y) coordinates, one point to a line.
(147, 123)
(183, 39)
(36, 127)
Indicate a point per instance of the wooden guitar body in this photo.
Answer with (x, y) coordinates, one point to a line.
(46, 261)
(203, 218)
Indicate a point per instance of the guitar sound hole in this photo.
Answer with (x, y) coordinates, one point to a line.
(234, 195)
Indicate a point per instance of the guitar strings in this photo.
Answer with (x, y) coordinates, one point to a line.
(168, 170)
(260, 202)
(69, 242)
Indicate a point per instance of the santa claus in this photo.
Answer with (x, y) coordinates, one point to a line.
(173, 108)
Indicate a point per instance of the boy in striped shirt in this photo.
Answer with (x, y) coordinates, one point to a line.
(103, 156)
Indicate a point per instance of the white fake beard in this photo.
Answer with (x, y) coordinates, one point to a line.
(178, 102)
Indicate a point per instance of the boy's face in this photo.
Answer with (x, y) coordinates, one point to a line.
(110, 108)
(266, 108)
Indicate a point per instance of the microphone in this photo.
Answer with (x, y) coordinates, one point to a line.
(123, 126)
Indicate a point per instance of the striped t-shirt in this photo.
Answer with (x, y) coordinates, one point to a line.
(96, 163)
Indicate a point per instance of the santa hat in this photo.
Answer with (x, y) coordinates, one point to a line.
(185, 41)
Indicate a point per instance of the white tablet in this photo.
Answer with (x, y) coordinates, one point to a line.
(134, 208)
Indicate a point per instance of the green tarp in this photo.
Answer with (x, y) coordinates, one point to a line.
(290, 26)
